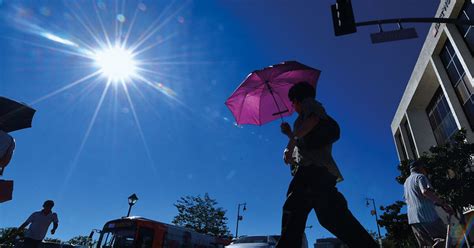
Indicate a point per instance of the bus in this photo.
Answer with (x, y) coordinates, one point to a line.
(138, 232)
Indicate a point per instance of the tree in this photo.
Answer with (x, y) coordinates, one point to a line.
(201, 215)
(450, 170)
(79, 240)
(399, 233)
(8, 236)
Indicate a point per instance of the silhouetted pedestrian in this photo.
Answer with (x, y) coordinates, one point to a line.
(39, 223)
(313, 186)
(421, 200)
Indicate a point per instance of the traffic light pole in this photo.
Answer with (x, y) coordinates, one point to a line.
(416, 20)
(344, 21)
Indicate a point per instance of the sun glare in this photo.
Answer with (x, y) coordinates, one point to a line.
(112, 48)
(116, 63)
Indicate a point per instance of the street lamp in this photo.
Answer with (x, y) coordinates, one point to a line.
(239, 217)
(374, 212)
(131, 201)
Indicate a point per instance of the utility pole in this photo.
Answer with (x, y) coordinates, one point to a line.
(374, 212)
(239, 217)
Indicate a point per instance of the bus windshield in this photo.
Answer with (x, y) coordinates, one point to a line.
(115, 238)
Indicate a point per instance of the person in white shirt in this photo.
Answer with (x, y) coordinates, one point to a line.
(39, 223)
(7, 145)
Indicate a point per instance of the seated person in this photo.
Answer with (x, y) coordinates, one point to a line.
(7, 145)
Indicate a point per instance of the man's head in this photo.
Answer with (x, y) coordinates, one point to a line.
(48, 205)
(299, 92)
(418, 166)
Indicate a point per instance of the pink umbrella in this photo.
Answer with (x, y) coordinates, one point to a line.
(263, 95)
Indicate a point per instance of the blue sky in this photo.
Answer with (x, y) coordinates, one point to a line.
(186, 142)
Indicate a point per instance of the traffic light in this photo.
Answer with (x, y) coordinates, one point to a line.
(343, 18)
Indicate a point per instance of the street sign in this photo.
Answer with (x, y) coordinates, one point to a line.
(343, 18)
(401, 34)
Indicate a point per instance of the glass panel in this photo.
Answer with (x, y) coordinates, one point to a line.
(469, 110)
(463, 28)
(466, 31)
(443, 110)
(432, 120)
(118, 238)
(445, 58)
(401, 149)
(410, 139)
(438, 136)
(463, 94)
(469, 38)
(453, 73)
(145, 238)
(436, 116)
(441, 118)
(459, 66)
(468, 84)
(450, 126)
(469, 10)
(450, 48)
(445, 105)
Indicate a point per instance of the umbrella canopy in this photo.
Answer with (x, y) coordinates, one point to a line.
(263, 95)
(14, 115)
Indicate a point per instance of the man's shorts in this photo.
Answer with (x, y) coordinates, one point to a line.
(426, 232)
(31, 243)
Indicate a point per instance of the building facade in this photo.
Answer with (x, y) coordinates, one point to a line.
(439, 97)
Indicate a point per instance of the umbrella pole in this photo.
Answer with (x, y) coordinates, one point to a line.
(274, 99)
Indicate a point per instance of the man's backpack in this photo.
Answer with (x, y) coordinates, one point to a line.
(326, 132)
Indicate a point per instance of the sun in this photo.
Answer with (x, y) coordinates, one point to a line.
(116, 63)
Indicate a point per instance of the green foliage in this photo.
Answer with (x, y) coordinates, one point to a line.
(79, 240)
(399, 233)
(202, 215)
(8, 236)
(450, 170)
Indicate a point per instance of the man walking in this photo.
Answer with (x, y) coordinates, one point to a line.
(314, 183)
(421, 201)
(39, 223)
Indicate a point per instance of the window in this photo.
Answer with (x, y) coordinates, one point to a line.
(115, 238)
(145, 237)
(411, 142)
(459, 80)
(441, 119)
(401, 147)
(467, 31)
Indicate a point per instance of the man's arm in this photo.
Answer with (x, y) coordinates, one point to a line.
(55, 223)
(23, 226)
(306, 127)
(428, 192)
(26, 223)
(55, 226)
